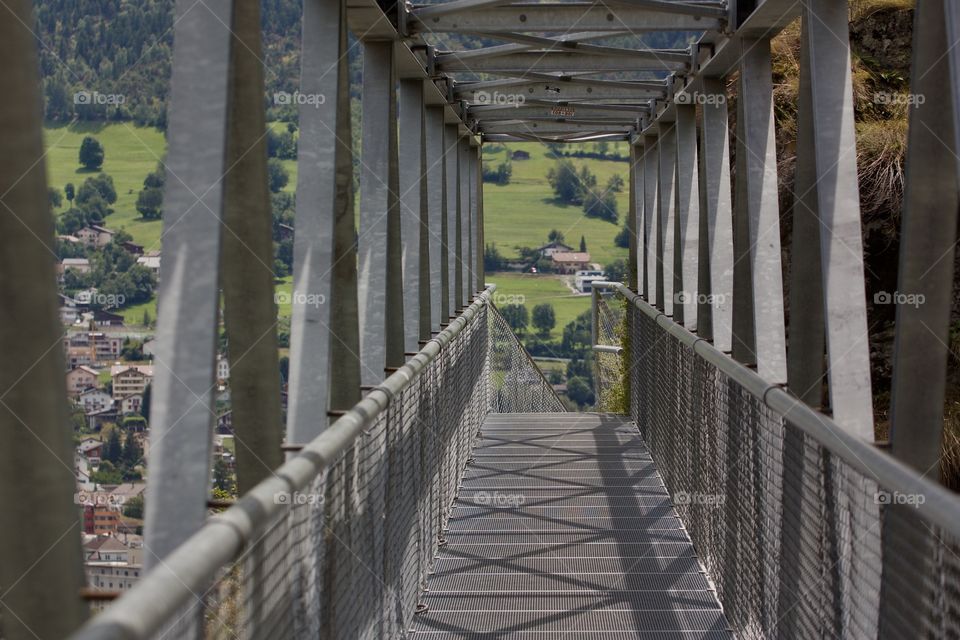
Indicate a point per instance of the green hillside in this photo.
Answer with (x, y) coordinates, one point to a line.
(523, 212)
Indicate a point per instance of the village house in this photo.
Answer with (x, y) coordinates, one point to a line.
(80, 265)
(570, 262)
(132, 403)
(105, 348)
(111, 566)
(102, 318)
(68, 309)
(151, 261)
(90, 449)
(97, 419)
(80, 379)
(95, 236)
(94, 400)
(130, 379)
(547, 250)
(223, 369)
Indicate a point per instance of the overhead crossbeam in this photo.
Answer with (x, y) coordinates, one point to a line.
(521, 137)
(557, 89)
(545, 109)
(523, 62)
(554, 16)
(554, 127)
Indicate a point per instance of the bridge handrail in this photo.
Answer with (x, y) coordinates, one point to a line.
(941, 506)
(149, 604)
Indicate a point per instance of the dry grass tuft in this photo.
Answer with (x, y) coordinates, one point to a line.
(860, 9)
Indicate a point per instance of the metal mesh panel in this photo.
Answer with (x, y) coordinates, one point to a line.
(610, 331)
(516, 383)
(348, 557)
(796, 540)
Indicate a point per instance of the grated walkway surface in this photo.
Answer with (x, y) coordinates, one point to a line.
(563, 529)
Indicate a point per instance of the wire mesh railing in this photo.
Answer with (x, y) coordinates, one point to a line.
(337, 543)
(517, 385)
(806, 531)
(610, 336)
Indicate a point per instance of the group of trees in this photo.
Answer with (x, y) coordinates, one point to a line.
(113, 272)
(571, 186)
(597, 151)
(544, 318)
(119, 459)
(88, 205)
(498, 175)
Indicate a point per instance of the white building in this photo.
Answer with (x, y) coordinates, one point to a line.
(584, 278)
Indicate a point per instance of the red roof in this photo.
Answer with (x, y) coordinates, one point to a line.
(561, 256)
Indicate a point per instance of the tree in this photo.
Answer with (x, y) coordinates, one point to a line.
(278, 176)
(622, 239)
(600, 206)
(501, 175)
(493, 260)
(56, 200)
(69, 191)
(134, 508)
(112, 449)
(146, 320)
(99, 185)
(555, 235)
(615, 183)
(616, 271)
(132, 452)
(91, 153)
(565, 183)
(223, 478)
(583, 244)
(544, 319)
(516, 316)
(579, 391)
(149, 203)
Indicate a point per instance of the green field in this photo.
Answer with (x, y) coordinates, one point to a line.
(131, 153)
(523, 212)
(533, 289)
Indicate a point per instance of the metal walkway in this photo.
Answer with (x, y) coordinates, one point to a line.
(563, 525)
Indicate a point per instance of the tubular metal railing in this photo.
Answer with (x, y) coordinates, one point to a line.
(337, 542)
(807, 530)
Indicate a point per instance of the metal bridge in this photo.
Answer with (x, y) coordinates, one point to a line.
(424, 483)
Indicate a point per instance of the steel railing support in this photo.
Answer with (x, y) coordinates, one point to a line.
(412, 217)
(41, 570)
(666, 205)
(479, 244)
(324, 247)
(381, 266)
(181, 412)
(450, 150)
(246, 261)
(439, 305)
(464, 184)
(634, 222)
(687, 222)
(651, 227)
(716, 213)
(927, 244)
(758, 319)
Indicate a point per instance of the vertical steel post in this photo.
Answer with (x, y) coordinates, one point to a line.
(716, 212)
(381, 268)
(667, 153)
(479, 242)
(323, 247)
(927, 247)
(41, 567)
(411, 159)
(830, 153)
(249, 309)
(651, 207)
(437, 212)
(640, 230)
(688, 218)
(463, 184)
(181, 413)
(758, 213)
(450, 149)
(632, 224)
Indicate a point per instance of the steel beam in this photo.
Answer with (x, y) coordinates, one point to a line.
(181, 412)
(554, 127)
(435, 202)
(479, 238)
(411, 163)
(380, 277)
(687, 227)
(450, 142)
(466, 251)
(564, 88)
(716, 211)
(634, 223)
(758, 209)
(651, 227)
(927, 248)
(605, 112)
(520, 137)
(249, 307)
(666, 211)
(549, 16)
(41, 565)
(521, 62)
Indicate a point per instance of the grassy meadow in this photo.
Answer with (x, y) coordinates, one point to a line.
(533, 289)
(524, 211)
